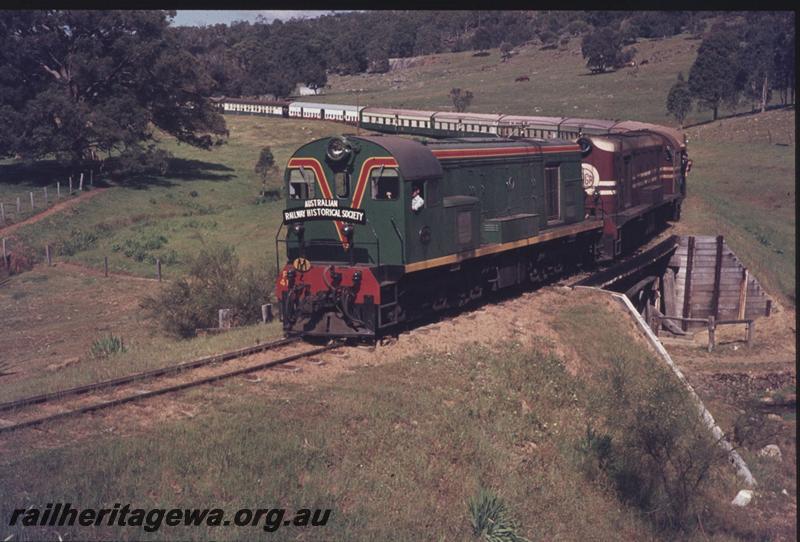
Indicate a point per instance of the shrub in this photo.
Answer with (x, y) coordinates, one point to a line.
(490, 519)
(657, 452)
(78, 241)
(140, 248)
(215, 281)
(107, 347)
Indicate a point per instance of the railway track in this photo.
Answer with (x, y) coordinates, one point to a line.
(36, 410)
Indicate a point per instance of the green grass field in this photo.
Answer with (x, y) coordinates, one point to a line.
(743, 186)
(560, 84)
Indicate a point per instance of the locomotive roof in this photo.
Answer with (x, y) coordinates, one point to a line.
(414, 159)
(624, 141)
(675, 137)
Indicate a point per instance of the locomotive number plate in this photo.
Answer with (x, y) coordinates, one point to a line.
(301, 264)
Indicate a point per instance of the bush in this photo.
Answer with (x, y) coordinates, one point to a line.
(490, 519)
(107, 347)
(215, 281)
(140, 248)
(78, 241)
(656, 450)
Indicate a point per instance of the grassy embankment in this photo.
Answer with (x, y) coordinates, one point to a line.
(395, 450)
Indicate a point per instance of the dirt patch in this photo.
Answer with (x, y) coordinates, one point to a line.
(57, 208)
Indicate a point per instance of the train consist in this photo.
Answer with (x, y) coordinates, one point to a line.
(442, 124)
(380, 230)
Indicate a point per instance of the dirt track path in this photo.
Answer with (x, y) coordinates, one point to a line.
(58, 207)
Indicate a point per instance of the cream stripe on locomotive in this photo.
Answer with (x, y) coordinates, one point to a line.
(565, 231)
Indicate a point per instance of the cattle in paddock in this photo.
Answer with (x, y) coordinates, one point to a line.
(522, 78)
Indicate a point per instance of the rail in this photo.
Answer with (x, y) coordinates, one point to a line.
(193, 364)
(137, 395)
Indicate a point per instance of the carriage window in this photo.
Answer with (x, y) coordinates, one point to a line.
(385, 183)
(551, 195)
(301, 183)
(342, 181)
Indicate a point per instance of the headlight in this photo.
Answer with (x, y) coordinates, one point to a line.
(338, 149)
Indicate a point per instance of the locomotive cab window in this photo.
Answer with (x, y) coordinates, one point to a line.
(301, 183)
(552, 196)
(385, 184)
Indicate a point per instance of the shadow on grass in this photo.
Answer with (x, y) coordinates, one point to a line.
(772, 107)
(180, 169)
(41, 173)
(48, 172)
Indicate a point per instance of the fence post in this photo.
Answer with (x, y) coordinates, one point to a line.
(70, 185)
(158, 269)
(48, 255)
(266, 313)
(19, 205)
(32, 207)
(711, 332)
(2, 213)
(80, 186)
(58, 189)
(225, 318)
(105, 265)
(5, 256)
(45, 196)
(91, 177)
(750, 328)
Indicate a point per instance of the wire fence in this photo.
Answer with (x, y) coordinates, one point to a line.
(12, 262)
(15, 209)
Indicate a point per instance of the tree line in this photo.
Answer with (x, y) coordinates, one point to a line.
(260, 59)
(747, 59)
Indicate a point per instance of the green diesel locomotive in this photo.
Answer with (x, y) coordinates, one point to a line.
(382, 229)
